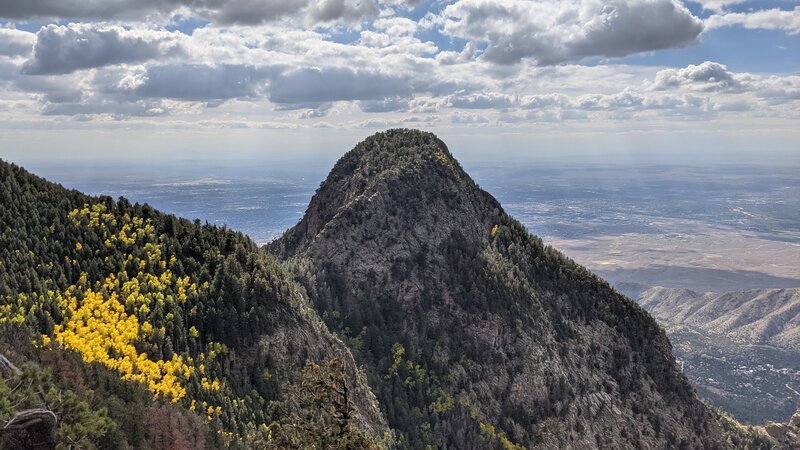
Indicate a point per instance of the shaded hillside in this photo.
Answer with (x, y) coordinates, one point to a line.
(754, 383)
(765, 316)
(473, 332)
(140, 329)
(741, 349)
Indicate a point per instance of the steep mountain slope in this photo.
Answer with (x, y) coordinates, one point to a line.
(139, 329)
(766, 316)
(473, 332)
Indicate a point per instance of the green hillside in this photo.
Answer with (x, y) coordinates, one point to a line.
(143, 329)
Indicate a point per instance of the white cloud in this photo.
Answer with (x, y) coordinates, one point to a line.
(16, 42)
(116, 109)
(279, 73)
(396, 26)
(553, 32)
(480, 101)
(621, 100)
(344, 10)
(200, 82)
(384, 105)
(247, 12)
(464, 56)
(779, 90)
(315, 85)
(708, 76)
(544, 101)
(67, 48)
(393, 43)
(768, 19)
(89, 9)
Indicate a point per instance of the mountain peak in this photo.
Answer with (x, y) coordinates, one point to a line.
(407, 180)
(401, 139)
(396, 153)
(398, 148)
(451, 304)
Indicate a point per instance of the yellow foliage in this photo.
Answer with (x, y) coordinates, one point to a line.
(210, 385)
(101, 331)
(442, 158)
(398, 351)
(103, 323)
(489, 432)
(443, 403)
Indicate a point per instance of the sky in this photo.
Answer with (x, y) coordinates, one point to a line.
(134, 80)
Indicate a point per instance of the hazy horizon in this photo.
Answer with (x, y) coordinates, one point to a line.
(648, 221)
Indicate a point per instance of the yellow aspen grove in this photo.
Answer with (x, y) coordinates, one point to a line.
(101, 331)
(105, 323)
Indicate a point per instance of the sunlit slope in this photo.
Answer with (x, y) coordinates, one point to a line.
(137, 312)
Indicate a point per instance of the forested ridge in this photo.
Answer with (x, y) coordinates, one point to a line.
(405, 310)
(473, 332)
(140, 329)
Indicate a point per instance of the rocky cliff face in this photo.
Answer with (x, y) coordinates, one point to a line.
(474, 333)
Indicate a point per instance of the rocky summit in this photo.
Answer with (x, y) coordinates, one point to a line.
(472, 331)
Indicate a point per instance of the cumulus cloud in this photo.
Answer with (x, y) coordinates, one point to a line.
(51, 88)
(622, 100)
(396, 26)
(321, 111)
(345, 10)
(116, 109)
(312, 85)
(245, 12)
(708, 76)
(480, 101)
(16, 42)
(544, 101)
(777, 90)
(286, 71)
(384, 105)
(551, 32)
(464, 56)
(248, 12)
(195, 82)
(768, 19)
(89, 9)
(393, 43)
(67, 48)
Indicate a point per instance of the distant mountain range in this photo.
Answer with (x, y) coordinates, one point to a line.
(760, 317)
(405, 310)
(740, 348)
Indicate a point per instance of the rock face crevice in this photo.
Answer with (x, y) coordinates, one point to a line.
(474, 334)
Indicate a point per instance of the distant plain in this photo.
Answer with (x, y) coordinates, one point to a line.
(706, 227)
